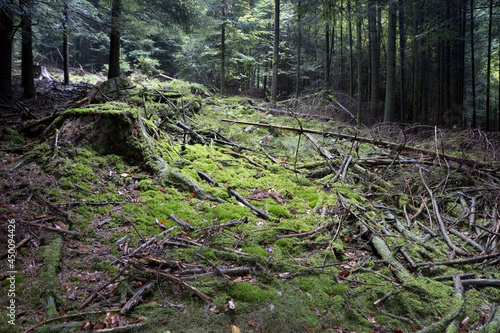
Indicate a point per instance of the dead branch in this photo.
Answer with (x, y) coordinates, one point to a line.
(104, 285)
(174, 279)
(440, 219)
(460, 261)
(308, 233)
(184, 225)
(380, 143)
(136, 298)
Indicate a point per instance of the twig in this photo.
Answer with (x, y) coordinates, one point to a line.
(214, 266)
(94, 294)
(467, 239)
(62, 231)
(227, 224)
(277, 162)
(440, 220)
(184, 225)
(137, 296)
(380, 143)
(460, 261)
(308, 233)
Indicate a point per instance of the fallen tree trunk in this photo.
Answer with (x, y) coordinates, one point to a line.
(380, 143)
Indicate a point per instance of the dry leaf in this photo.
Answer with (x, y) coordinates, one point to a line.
(60, 225)
(235, 329)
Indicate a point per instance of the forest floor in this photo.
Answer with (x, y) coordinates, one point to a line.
(162, 207)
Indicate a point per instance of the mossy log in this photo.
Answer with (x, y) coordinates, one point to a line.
(51, 256)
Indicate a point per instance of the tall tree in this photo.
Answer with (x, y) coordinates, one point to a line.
(488, 68)
(358, 62)
(402, 49)
(114, 40)
(274, 84)
(223, 50)
(351, 57)
(6, 36)
(27, 74)
(473, 68)
(374, 57)
(391, 63)
(66, 21)
(299, 47)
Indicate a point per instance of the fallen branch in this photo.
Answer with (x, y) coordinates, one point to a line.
(174, 279)
(460, 261)
(308, 233)
(380, 143)
(444, 232)
(94, 294)
(184, 225)
(136, 298)
(236, 195)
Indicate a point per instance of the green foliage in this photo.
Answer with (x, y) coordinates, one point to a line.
(147, 65)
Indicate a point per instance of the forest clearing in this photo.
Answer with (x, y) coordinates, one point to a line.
(164, 207)
(249, 166)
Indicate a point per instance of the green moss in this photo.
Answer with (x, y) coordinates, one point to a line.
(10, 135)
(51, 256)
(145, 185)
(99, 264)
(247, 292)
(256, 250)
(278, 211)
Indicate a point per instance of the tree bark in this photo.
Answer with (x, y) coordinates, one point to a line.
(351, 81)
(402, 49)
(27, 75)
(299, 47)
(416, 65)
(223, 52)
(114, 40)
(358, 61)
(488, 69)
(374, 58)
(473, 69)
(391, 63)
(65, 42)
(274, 84)
(6, 35)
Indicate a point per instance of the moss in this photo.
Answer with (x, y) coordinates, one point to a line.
(247, 292)
(278, 211)
(51, 256)
(256, 250)
(99, 264)
(11, 136)
(145, 185)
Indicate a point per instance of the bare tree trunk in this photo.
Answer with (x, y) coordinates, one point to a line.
(358, 61)
(274, 84)
(416, 65)
(28, 80)
(65, 42)
(351, 83)
(488, 69)
(114, 40)
(402, 49)
(6, 35)
(223, 52)
(328, 57)
(473, 69)
(391, 63)
(299, 47)
(341, 60)
(374, 58)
